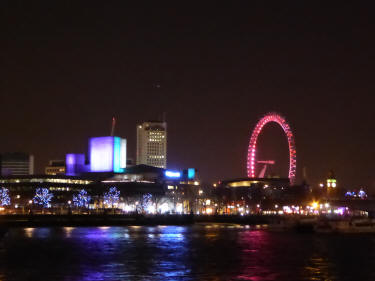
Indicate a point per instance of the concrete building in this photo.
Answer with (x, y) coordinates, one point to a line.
(17, 164)
(152, 144)
(55, 167)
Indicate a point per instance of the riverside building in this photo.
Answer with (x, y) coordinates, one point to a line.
(16, 164)
(55, 167)
(152, 144)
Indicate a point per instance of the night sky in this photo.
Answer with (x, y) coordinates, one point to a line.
(215, 69)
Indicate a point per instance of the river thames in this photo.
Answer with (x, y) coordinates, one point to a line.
(199, 252)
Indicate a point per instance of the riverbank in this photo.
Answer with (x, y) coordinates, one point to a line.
(119, 220)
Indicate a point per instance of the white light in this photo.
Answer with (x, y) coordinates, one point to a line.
(172, 174)
(151, 209)
(128, 208)
(179, 208)
(164, 208)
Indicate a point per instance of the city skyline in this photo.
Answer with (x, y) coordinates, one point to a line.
(63, 82)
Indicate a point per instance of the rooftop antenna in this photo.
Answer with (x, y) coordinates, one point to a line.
(113, 126)
(304, 170)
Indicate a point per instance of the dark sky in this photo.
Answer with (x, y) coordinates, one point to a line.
(67, 68)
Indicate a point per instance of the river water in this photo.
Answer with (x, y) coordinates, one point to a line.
(199, 252)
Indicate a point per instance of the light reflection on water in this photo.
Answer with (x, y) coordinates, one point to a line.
(200, 252)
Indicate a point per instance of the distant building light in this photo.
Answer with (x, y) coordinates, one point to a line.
(172, 174)
(191, 173)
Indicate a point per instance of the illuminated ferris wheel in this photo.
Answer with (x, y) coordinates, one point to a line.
(251, 155)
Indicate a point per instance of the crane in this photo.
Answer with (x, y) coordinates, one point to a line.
(113, 126)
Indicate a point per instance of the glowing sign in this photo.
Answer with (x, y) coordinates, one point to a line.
(172, 174)
(191, 173)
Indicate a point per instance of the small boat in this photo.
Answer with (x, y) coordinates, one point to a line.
(282, 225)
(323, 227)
(364, 225)
(356, 226)
(3, 231)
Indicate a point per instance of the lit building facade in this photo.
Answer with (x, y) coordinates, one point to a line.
(55, 167)
(152, 144)
(106, 154)
(17, 164)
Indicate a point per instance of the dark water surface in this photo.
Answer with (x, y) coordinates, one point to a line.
(213, 252)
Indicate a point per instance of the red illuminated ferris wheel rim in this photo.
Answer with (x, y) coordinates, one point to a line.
(251, 154)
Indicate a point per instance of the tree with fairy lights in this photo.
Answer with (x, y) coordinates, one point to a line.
(43, 197)
(82, 199)
(147, 204)
(4, 197)
(112, 197)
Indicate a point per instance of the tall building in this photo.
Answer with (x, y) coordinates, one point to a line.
(17, 164)
(152, 144)
(55, 167)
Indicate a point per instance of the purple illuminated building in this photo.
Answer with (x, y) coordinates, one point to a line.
(75, 164)
(107, 154)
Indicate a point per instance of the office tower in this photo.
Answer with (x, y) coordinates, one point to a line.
(152, 144)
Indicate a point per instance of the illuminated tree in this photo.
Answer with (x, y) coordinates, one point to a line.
(42, 197)
(4, 197)
(82, 199)
(112, 197)
(147, 204)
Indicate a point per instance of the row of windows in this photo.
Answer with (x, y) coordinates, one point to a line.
(49, 180)
(155, 156)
